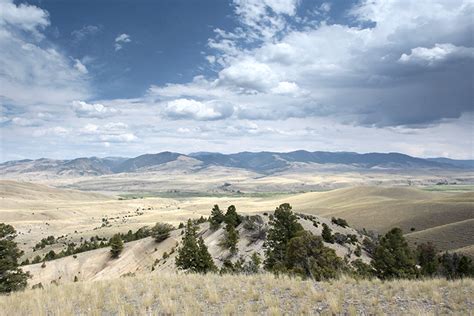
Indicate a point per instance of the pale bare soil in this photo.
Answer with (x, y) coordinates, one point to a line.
(265, 294)
(146, 256)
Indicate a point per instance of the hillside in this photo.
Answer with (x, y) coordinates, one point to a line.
(38, 211)
(146, 255)
(264, 294)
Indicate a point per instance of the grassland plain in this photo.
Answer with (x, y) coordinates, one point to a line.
(211, 294)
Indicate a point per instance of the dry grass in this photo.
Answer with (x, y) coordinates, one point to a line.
(242, 295)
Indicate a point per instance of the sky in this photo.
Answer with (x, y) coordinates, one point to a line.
(127, 77)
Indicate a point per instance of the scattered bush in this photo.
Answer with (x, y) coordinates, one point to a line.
(327, 234)
(339, 221)
(161, 231)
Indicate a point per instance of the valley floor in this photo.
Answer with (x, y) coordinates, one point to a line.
(211, 294)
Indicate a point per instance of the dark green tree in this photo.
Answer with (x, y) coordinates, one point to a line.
(217, 217)
(193, 255)
(327, 234)
(12, 278)
(116, 245)
(231, 238)
(427, 259)
(161, 231)
(231, 217)
(283, 226)
(393, 257)
(205, 262)
(307, 256)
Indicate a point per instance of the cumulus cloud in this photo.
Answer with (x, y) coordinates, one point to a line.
(120, 40)
(33, 71)
(57, 131)
(196, 110)
(367, 73)
(93, 110)
(437, 54)
(23, 16)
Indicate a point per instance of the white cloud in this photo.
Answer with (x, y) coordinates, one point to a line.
(34, 71)
(26, 17)
(53, 131)
(120, 40)
(80, 67)
(112, 132)
(196, 110)
(85, 31)
(436, 54)
(93, 110)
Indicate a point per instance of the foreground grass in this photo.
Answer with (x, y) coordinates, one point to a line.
(258, 294)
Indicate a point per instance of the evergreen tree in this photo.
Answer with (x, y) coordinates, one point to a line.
(161, 231)
(307, 256)
(427, 259)
(283, 226)
(206, 264)
(231, 217)
(327, 235)
(193, 255)
(12, 278)
(231, 238)
(393, 258)
(217, 217)
(187, 253)
(116, 245)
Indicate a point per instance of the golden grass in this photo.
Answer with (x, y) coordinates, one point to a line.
(191, 294)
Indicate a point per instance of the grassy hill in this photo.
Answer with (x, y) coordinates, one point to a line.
(265, 294)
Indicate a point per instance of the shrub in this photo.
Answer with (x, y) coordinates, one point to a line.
(339, 221)
(455, 266)
(358, 251)
(327, 234)
(307, 256)
(161, 231)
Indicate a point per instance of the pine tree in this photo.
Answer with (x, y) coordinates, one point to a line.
(231, 217)
(206, 264)
(116, 245)
(217, 217)
(326, 234)
(12, 278)
(427, 259)
(187, 253)
(231, 238)
(393, 258)
(284, 226)
(193, 255)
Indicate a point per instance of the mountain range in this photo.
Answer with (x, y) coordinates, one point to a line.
(260, 162)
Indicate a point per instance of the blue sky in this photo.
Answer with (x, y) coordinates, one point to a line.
(108, 78)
